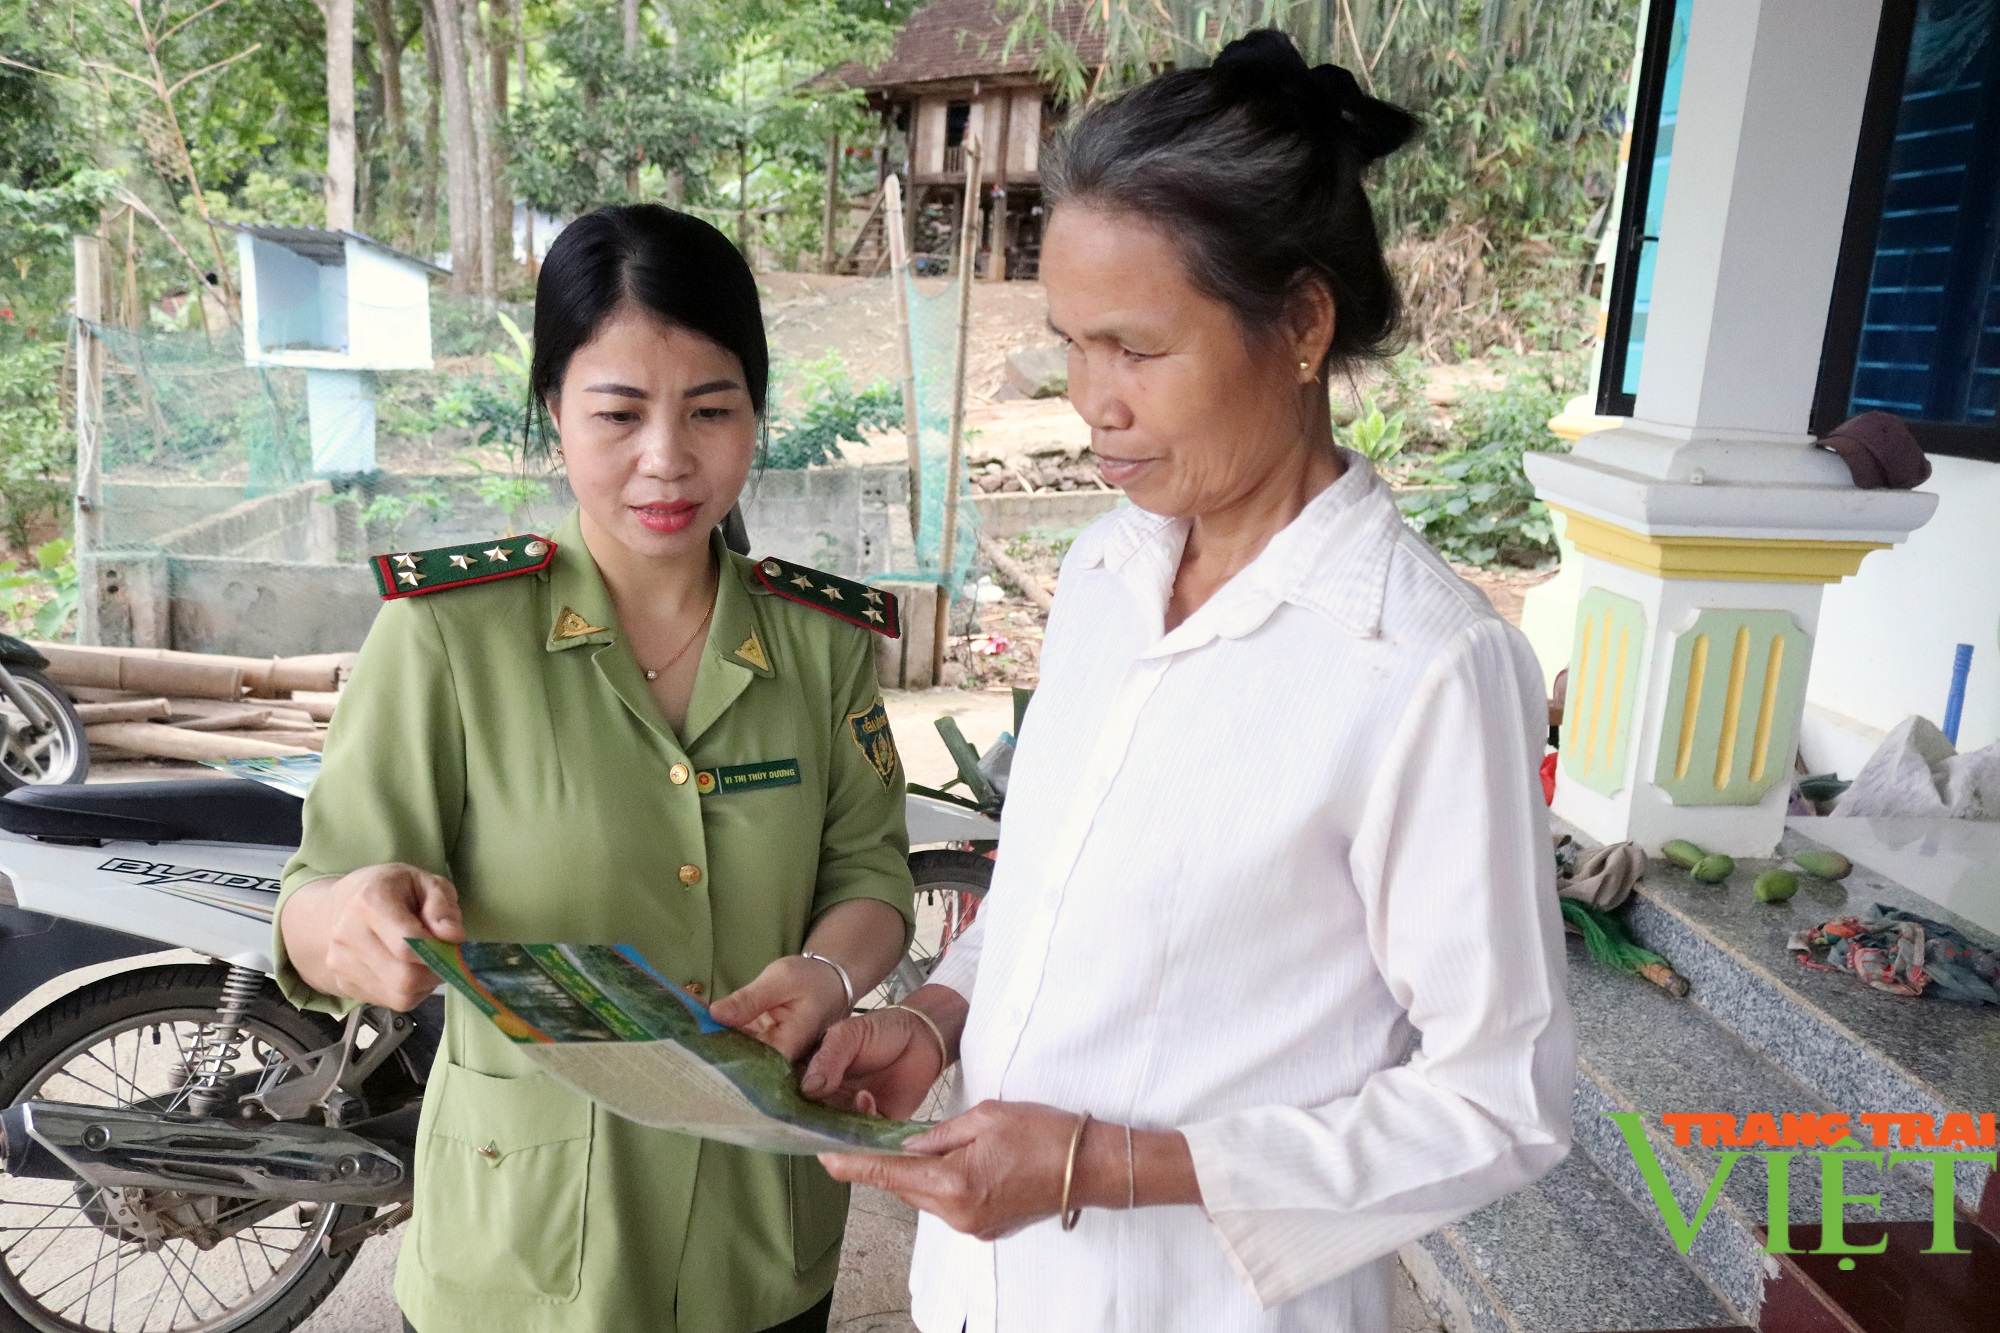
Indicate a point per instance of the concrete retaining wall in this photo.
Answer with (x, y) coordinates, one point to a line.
(268, 608)
(263, 577)
(1004, 514)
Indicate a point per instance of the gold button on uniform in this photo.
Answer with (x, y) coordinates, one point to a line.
(678, 774)
(690, 874)
(693, 988)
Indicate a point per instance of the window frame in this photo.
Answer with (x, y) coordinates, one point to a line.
(1623, 292)
(1841, 348)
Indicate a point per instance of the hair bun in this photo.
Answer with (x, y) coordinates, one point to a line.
(1329, 101)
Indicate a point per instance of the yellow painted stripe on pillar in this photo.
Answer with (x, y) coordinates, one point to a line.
(1597, 690)
(1773, 664)
(1617, 692)
(1691, 704)
(1578, 750)
(1732, 708)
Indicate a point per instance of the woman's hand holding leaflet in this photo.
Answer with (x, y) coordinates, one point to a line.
(346, 936)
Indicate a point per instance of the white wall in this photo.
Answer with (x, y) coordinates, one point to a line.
(930, 136)
(1024, 135)
(389, 320)
(1886, 635)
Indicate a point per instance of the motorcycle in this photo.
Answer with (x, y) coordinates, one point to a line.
(183, 1149)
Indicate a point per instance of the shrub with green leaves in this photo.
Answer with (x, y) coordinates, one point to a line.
(1474, 503)
(35, 447)
(832, 412)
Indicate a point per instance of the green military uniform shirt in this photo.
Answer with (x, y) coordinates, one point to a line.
(503, 735)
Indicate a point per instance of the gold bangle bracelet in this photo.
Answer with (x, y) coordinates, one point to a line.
(1069, 1217)
(944, 1051)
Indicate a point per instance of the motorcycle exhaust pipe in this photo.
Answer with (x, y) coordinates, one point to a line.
(118, 1148)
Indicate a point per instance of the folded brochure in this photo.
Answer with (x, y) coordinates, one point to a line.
(600, 1019)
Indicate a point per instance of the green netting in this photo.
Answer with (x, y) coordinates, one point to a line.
(183, 407)
(933, 349)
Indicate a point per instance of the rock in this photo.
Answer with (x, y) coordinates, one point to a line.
(1039, 372)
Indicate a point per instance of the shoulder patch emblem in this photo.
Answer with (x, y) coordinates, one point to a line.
(414, 573)
(870, 728)
(844, 599)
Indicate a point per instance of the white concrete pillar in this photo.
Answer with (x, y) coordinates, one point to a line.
(1707, 526)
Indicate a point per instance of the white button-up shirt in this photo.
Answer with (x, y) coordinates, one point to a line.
(1245, 864)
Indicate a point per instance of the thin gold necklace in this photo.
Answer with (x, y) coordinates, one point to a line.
(653, 673)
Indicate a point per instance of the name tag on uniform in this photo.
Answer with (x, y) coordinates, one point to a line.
(747, 777)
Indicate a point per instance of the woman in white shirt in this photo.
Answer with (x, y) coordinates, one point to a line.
(1274, 820)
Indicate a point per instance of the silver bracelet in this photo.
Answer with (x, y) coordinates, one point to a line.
(846, 982)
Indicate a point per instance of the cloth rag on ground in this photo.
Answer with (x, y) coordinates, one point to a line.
(1917, 772)
(1600, 877)
(1592, 883)
(1903, 954)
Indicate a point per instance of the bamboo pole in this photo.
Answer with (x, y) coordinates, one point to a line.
(968, 245)
(899, 269)
(89, 498)
(831, 220)
(163, 742)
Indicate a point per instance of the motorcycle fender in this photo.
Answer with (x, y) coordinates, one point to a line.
(35, 949)
(215, 898)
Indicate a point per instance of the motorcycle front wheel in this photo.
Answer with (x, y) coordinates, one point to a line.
(31, 757)
(78, 1259)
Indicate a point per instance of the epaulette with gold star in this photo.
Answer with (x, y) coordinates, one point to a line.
(414, 573)
(856, 603)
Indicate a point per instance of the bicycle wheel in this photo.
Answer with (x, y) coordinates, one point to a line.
(79, 1259)
(950, 885)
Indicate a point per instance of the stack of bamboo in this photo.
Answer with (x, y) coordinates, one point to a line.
(156, 704)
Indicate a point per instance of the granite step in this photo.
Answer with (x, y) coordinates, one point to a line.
(1861, 1050)
(1569, 1254)
(1641, 1050)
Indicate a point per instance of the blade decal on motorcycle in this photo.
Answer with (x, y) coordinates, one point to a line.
(252, 896)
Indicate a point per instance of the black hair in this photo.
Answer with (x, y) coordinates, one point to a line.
(1253, 166)
(673, 266)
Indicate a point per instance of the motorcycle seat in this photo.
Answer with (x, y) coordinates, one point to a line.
(195, 810)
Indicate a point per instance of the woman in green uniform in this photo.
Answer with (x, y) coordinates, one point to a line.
(626, 734)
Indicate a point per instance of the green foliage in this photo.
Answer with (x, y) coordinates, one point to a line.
(1474, 503)
(389, 509)
(1375, 437)
(1521, 103)
(507, 492)
(279, 200)
(39, 599)
(832, 412)
(35, 446)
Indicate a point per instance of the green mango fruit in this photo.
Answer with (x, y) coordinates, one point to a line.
(1714, 868)
(1683, 853)
(1825, 865)
(1774, 886)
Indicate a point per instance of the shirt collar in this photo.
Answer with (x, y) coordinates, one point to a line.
(580, 609)
(1332, 559)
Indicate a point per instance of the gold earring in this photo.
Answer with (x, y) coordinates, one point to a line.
(1305, 366)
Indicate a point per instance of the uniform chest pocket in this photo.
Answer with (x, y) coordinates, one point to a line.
(501, 1182)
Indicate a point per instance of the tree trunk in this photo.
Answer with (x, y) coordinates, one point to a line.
(461, 155)
(631, 16)
(480, 66)
(339, 113)
(433, 140)
(501, 39)
(390, 138)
